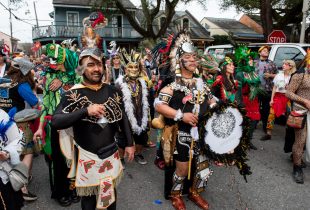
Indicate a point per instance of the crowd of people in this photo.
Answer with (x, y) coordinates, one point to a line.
(87, 112)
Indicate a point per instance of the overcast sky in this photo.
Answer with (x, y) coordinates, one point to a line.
(23, 31)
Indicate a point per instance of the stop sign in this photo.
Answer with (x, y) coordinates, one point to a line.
(277, 36)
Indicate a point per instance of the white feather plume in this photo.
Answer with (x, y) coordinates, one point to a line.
(129, 107)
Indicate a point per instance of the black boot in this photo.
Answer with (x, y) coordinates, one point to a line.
(298, 174)
(302, 165)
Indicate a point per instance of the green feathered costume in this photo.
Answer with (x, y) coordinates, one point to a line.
(51, 99)
(248, 82)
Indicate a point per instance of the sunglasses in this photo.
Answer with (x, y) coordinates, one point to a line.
(287, 64)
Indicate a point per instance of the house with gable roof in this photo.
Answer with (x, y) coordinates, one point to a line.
(5, 39)
(242, 31)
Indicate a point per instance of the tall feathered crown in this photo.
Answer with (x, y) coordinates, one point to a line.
(68, 43)
(133, 57)
(181, 44)
(90, 39)
(243, 54)
(94, 21)
(162, 50)
(209, 62)
(113, 50)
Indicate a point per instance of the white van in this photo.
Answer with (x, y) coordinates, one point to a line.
(278, 51)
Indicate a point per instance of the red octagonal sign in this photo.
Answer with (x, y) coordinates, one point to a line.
(277, 36)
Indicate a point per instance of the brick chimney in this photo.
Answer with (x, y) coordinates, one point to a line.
(246, 20)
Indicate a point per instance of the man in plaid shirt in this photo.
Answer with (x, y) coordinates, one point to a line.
(267, 70)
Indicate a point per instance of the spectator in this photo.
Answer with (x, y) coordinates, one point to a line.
(298, 91)
(266, 71)
(38, 75)
(150, 64)
(116, 69)
(4, 66)
(279, 103)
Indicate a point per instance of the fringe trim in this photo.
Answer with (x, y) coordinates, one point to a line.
(87, 191)
(93, 190)
(129, 108)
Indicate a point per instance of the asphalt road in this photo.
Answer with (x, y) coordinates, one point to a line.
(271, 185)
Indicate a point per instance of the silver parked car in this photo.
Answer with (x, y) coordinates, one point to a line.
(278, 51)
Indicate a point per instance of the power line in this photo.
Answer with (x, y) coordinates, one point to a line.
(17, 18)
(38, 19)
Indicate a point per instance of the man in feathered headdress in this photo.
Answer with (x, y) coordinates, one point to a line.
(95, 112)
(182, 102)
(135, 93)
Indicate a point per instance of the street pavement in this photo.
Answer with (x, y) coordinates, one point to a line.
(271, 185)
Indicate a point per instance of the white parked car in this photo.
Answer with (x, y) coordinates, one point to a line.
(278, 51)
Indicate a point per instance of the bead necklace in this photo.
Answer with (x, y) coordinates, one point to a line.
(189, 92)
(134, 89)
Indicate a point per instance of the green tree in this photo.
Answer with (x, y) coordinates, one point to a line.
(150, 9)
(273, 13)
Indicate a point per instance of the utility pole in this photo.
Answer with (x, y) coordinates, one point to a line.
(35, 12)
(37, 27)
(305, 9)
(11, 27)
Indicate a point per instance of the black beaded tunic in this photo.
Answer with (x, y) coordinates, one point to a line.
(176, 103)
(72, 112)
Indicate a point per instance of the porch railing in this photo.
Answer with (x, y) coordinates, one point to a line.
(76, 31)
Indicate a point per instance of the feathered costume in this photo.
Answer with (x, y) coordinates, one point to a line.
(180, 141)
(135, 96)
(248, 82)
(63, 63)
(192, 97)
(225, 88)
